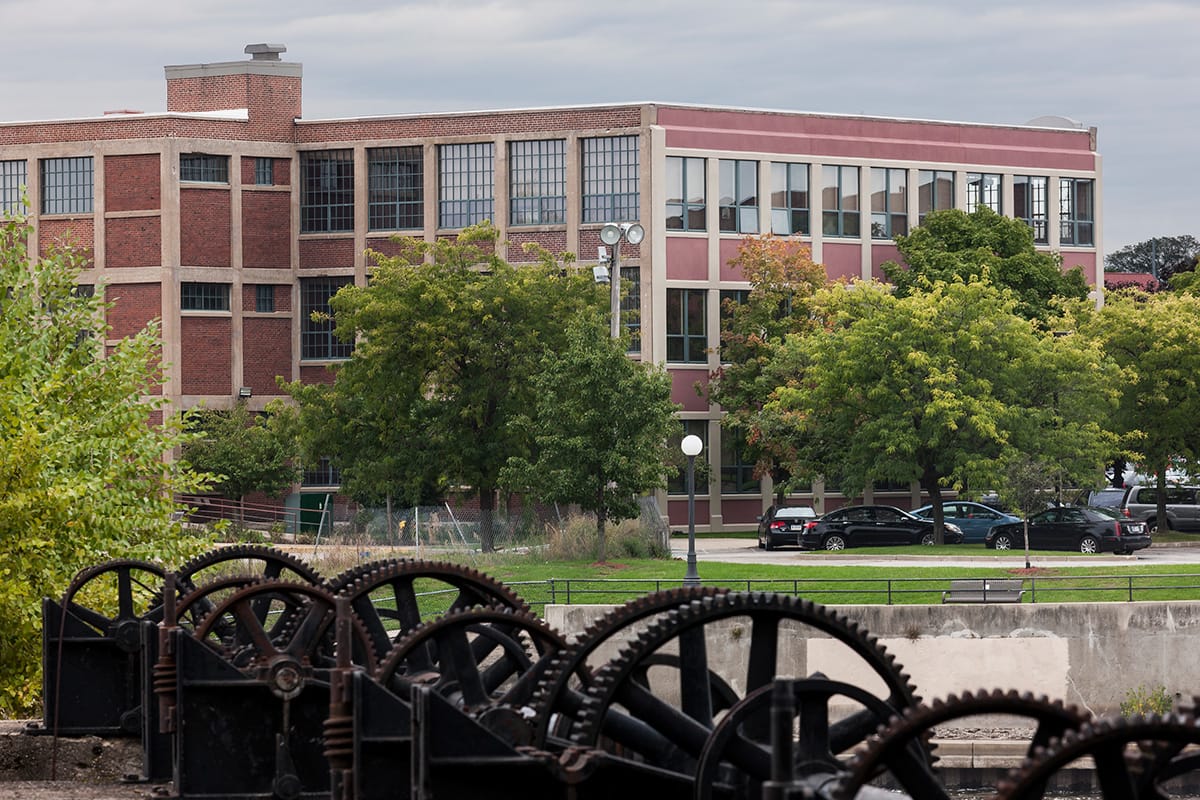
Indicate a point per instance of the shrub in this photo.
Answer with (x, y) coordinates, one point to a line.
(576, 540)
(1147, 701)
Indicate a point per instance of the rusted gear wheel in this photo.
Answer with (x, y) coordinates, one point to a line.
(1134, 759)
(755, 742)
(347, 577)
(488, 660)
(272, 623)
(114, 597)
(193, 607)
(245, 559)
(560, 693)
(393, 599)
(624, 706)
(891, 749)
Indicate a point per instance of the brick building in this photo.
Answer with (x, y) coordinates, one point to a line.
(231, 218)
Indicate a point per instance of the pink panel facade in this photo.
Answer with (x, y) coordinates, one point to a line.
(729, 249)
(683, 388)
(687, 258)
(843, 261)
(880, 253)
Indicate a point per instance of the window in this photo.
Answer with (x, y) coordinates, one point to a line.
(327, 191)
(323, 474)
(264, 171)
(739, 196)
(13, 177)
(1075, 211)
(983, 189)
(467, 184)
(316, 336)
(737, 471)
(610, 179)
(678, 483)
(687, 340)
(935, 192)
(537, 175)
(67, 185)
(685, 194)
(1029, 204)
(889, 202)
(395, 188)
(631, 306)
(204, 297)
(840, 194)
(789, 199)
(203, 168)
(730, 298)
(264, 298)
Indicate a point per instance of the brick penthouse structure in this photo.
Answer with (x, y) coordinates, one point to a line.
(231, 218)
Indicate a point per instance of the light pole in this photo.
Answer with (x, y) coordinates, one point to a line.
(691, 447)
(611, 234)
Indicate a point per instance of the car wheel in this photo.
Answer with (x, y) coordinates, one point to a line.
(929, 538)
(1002, 542)
(1152, 526)
(835, 542)
(1088, 544)
(769, 544)
(761, 546)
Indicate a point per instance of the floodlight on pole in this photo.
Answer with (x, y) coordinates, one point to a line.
(612, 234)
(691, 446)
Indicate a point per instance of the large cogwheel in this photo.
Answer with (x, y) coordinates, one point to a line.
(895, 749)
(559, 696)
(667, 723)
(1135, 758)
(245, 559)
(395, 597)
(114, 596)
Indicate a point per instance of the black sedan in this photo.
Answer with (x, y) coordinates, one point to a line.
(866, 526)
(1085, 529)
(782, 525)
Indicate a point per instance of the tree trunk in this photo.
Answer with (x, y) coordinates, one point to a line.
(1160, 513)
(601, 546)
(487, 504)
(930, 483)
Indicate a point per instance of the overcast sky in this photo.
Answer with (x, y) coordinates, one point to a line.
(1128, 68)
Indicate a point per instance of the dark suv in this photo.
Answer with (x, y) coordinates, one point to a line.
(1183, 513)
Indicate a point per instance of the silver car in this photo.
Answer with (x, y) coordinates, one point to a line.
(1183, 514)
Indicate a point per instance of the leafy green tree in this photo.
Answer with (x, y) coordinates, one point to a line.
(600, 426)
(449, 338)
(1027, 486)
(954, 244)
(85, 468)
(1153, 338)
(1162, 256)
(783, 279)
(245, 452)
(940, 386)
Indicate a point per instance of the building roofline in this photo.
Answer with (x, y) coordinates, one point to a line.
(228, 114)
(286, 69)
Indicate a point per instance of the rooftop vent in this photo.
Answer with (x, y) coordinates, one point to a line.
(265, 52)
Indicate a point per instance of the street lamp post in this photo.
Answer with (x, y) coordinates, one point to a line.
(691, 446)
(611, 234)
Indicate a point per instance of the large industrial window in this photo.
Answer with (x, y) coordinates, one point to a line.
(395, 188)
(323, 473)
(610, 179)
(738, 196)
(203, 168)
(935, 192)
(204, 296)
(1030, 204)
(685, 194)
(467, 185)
(678, 483)
(68, 185)
(687, 339)
(13, 176)
(1076, 214)
(631, 306)
(983, 189)
(889, 202)
(316, 336)
(789, 199)
(537, 178)
(839, 191)
(737, 470)
(327, 191)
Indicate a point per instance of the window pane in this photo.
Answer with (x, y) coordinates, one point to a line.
(538, 182)
(13, 178)
(395, 188)
(327, 191)
(67, 185)
(466, 185)
(610, 179)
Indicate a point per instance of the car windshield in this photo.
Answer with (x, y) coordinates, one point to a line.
(1100, 514)
(795, 513)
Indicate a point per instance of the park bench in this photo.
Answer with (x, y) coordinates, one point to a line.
(984, 590)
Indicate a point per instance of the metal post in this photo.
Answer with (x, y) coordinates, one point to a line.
(692, 577)
(614, 284)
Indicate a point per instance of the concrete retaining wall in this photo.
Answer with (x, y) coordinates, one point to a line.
(1090, 655)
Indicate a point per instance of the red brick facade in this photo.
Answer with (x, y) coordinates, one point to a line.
(134, 305)
(206, 361)
(132, 183)
(267, 353)
(133, 242)
(204, 228)
(266, 230)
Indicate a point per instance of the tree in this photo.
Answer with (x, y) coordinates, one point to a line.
(85, 469)
(245, 452)
(1025, 487)
(1152, 337)
(449, 338)
(940, 386)
(600, 426)
(954, 244)
(783, 279)
(1161, 256)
